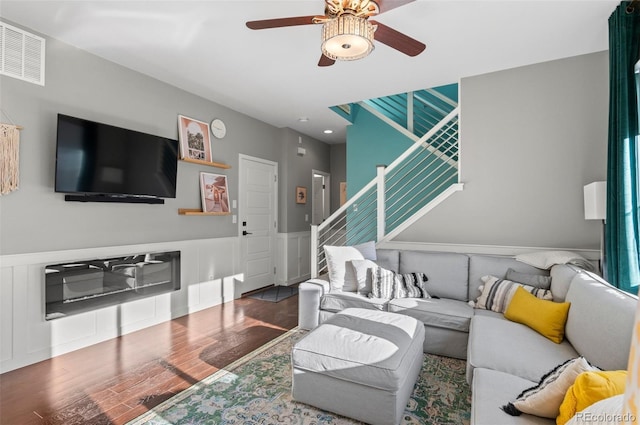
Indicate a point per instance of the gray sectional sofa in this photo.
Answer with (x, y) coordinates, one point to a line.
(503, 357)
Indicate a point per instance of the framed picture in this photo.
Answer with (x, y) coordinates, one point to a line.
(214, 192)
(194, 139)
(301, 195)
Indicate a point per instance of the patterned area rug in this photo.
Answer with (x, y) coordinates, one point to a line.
(257, 390)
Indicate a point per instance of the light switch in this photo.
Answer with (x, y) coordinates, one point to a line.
(234, 219)
(234, 205)
(306, 217)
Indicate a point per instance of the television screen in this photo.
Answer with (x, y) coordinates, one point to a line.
(100, 159)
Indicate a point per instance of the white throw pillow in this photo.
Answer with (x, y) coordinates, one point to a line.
(546, 259)
(362, 269)
(603, 412)
(341, 277)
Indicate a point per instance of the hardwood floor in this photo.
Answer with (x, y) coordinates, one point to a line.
(117, 380)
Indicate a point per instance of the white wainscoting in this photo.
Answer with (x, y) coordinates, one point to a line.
(294, 257)
(209, 270)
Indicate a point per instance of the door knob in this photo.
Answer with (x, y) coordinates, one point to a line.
(245, 233)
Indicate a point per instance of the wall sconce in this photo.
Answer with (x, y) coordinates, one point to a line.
(595, 201)
(301, 151)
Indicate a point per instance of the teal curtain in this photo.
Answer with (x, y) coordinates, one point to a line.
(622, 229)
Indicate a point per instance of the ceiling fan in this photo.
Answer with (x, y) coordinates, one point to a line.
(347, 32)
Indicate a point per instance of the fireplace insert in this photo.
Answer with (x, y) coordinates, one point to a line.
(81, 286)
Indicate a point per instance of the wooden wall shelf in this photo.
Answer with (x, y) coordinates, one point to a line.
(207, 163)
(196, 211)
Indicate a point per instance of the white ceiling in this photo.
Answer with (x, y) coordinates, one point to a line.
(204, 47)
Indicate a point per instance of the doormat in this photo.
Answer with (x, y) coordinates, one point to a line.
(275, 294)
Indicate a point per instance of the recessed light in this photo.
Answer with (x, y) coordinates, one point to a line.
(328, 131)
(303, 119)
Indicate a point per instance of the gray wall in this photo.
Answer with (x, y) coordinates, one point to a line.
(338, 172)
(531, 138)
(297, 172)
(35, 219)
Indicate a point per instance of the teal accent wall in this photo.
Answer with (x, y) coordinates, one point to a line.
(370, 142)
(450, 90)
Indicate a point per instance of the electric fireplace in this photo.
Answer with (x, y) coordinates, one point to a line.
(81, 286)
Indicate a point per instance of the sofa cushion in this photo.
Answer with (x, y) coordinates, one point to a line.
(388, 258)
(439, 313)
(489, 391)
(447, 272)
(362, 346)
(338, 301)
(561, 277)
(545, 317)
(368, 250)
(600, 321)
(531, 279)
(494, 265)
(513, 348)
(488, 313)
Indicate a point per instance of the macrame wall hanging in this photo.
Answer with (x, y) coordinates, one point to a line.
(9, 157)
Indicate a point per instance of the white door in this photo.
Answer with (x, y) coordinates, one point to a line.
(320, 196)
(257, 210)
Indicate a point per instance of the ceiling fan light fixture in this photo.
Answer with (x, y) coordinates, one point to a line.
(347, 37)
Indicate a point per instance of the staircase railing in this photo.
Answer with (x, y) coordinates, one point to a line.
(400, 192)
(416, 111)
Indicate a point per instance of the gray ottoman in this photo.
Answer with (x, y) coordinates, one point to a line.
(360, 363)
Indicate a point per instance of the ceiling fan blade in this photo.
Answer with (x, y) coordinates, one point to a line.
(397, 40)
(386, 5)
(281, 22)
(326, 61)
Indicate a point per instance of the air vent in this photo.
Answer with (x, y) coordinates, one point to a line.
(21, 54)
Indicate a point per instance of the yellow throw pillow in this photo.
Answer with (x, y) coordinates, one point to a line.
(545, 317)
(589, 388)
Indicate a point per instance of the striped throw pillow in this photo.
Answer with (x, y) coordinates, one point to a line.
(388, 284)
(383, 283)
(545, 398)
(412, 285)
(497, 293)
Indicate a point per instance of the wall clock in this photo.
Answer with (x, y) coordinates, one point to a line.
(218, 128)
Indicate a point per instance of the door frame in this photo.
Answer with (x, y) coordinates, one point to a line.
(274, 196)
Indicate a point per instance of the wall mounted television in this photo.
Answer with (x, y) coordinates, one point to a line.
(97, 162)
